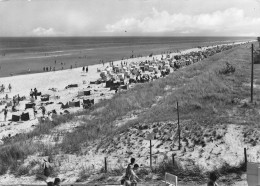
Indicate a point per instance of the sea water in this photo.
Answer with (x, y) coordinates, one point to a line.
(19, 55)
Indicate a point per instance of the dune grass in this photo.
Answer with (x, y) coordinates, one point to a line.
(204, 94)
(195, 173)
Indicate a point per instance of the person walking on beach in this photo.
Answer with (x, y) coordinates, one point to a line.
(5, 112)
(10, 87)
(87, 69)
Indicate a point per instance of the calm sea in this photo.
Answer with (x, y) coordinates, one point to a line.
(20, 54)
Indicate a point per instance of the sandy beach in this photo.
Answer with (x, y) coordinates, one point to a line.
(49, 81)
(58, 80)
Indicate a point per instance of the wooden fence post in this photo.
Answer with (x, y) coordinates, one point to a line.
(151, 154)
(105, 164)
(179, 130)
(173, 159)
(252, 72)
(245, 155)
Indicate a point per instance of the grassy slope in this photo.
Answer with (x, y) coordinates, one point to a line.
(205, 98)
(203, 93)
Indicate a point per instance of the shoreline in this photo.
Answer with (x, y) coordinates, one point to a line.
(92, 68)
(16, 64)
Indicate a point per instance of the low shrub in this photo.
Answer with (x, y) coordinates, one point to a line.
(228, 69)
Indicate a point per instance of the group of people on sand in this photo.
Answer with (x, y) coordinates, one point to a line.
(33, 93)
(85, 68)
(16, 101)
(2, 88)
(48, 69)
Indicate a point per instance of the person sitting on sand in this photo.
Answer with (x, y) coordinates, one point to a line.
(133, 177)
(14, 109)
(55, 183)
(129, 172)
(212, 179)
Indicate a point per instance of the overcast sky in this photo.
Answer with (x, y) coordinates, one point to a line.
(129, 17)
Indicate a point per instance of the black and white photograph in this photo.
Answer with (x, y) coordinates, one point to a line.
(129, 92)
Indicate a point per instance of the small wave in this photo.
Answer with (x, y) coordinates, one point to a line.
(38, 57)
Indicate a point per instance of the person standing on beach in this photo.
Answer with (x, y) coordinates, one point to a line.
(14, 100)
(10, 87)
(3, 88)
(83, 69)
(43, 110)
(18, 99)
(5, 112)
(35, 93)
(31, 93)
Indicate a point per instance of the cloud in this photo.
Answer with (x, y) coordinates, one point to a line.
(39, 31)
(3, 1)
(231, 21)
